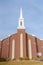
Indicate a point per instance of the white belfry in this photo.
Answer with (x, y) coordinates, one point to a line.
(21, 21)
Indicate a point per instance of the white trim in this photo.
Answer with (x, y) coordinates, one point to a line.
(13, 49)
(21, 45)
(41, 39)
(20, 27)
(29, 49)
(33, 35)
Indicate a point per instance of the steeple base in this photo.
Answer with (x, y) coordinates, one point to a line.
(20, 27)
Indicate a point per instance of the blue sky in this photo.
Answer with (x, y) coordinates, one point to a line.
(32, 13)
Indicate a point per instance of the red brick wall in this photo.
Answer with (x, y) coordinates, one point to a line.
(40, 46)
(5, 48)
(12, 37)
(18, 43)
(33, 43)
(34, 48)
(6, 45)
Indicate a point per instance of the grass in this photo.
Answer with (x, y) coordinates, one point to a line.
(22, 63)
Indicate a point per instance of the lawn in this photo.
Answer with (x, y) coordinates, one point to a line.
(21, 63)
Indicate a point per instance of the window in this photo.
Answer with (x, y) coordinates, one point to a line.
(21, 23)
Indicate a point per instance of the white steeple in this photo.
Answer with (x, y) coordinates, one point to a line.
(21, 20)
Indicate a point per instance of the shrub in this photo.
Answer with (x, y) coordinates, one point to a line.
(26, 58)
(2, 59)
(8, 59)
(21, 58)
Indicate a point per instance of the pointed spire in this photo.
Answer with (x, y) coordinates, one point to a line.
(21, 20)
(21, 15)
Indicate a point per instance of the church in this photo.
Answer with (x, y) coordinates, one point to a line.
(21, 44)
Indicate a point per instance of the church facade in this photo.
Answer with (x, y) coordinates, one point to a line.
(21, 44)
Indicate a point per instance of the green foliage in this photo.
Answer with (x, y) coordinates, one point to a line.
(26, 58)
(2, 59)
(21, 58)
(8, 59)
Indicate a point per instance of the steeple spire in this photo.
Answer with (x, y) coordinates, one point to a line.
(21, 14)
(21, 20)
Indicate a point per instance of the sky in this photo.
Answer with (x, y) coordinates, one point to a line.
(32, 13)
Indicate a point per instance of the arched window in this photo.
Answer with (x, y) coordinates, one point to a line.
(21, 23)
